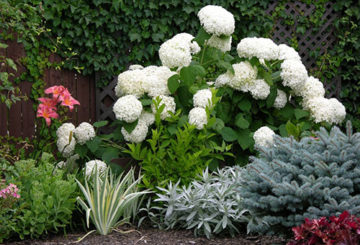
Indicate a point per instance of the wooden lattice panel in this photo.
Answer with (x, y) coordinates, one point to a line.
(321, 40)
(105, 99)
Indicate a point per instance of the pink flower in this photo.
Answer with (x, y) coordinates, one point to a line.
(56, 91)
(69, 101)
(47, 113)
(48, 102)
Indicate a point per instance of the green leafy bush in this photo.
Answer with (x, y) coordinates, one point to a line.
(47, 200)
(109, 199)
(211, 205)
(292, 180)
(176, 151)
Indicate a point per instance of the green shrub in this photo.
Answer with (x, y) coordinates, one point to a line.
(47, 200)
(210, 206)
(176, 151)
(291, 180)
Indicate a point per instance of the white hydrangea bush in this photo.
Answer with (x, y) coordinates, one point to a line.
(264, 77)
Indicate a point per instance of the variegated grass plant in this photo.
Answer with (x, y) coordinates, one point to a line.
(110, 201)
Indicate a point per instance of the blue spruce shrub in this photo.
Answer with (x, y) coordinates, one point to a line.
(294, 180)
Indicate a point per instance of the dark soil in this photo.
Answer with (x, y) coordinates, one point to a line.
(154, 236)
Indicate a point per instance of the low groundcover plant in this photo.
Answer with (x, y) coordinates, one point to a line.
(344, 229)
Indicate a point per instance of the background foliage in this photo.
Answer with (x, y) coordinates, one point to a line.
(106, 36)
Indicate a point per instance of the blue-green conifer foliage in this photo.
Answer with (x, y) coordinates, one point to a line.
(293, 180)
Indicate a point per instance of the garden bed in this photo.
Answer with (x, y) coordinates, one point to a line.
(155, 236)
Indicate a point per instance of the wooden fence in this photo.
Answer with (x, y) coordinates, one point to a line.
(19, 121)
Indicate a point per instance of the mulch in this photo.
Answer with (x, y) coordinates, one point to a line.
(148, 236)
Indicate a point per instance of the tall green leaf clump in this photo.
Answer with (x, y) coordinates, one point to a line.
(291, 180)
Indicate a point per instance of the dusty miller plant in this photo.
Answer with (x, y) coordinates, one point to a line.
(208, 206)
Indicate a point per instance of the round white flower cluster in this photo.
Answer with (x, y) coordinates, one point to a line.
(84, 132)
(170, 106)
(244, 77)
(151, 80)
(224, 44)
(312, 88)
(203, 98)
(155, 83)
(198, 117)
(280, 100)
(262, 48)
(130, 82)
(264, 137)
(328, 110)
(217, 20)
(138, 134)
(294, 75)
(222, 80)
(147, 117)
(127, 108)
(89, 167)
(259, 89)
(65, 139)
(176, 52)
(288, 53)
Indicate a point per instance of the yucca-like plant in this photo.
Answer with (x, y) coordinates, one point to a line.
(108, 199)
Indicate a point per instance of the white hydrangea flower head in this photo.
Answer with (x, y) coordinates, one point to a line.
(325, 110)
(170, 106)
(84, 132)
(127, 108)
(135, 67)
(155, 83)
(223, 79)
(264, 137)
(217, 20)
(130, 82)
(224, 44)
(202, 98)
(313, 88)
(294, 75)
(288, 53)
(64, 144)
(198, 117)
(64, 130)
(139, 133)
(339, 111)
(259, 90)
(245, 75)
(262, 48)
(176, 52)
(280, 100)
(147, 117)
(89, 167)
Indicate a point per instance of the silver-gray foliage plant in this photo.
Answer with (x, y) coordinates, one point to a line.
(294, 180)
(209, 206)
